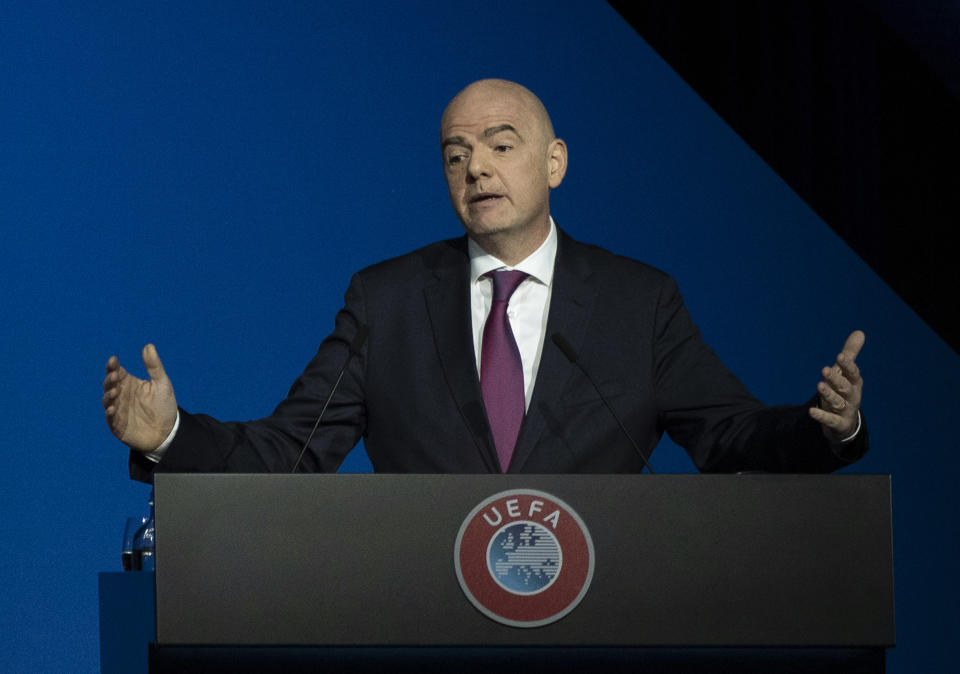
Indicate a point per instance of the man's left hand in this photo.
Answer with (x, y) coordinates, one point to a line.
(840, 392)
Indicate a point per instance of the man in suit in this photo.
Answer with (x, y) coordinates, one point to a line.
(459, 372)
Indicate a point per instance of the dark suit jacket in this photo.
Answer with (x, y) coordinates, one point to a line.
(414, 394)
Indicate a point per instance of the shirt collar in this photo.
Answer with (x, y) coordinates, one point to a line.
(539, 264)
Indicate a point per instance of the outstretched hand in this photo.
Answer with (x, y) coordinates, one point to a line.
(841, 391)
(141, 413)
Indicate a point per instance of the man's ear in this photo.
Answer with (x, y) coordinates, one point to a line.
(556, 162)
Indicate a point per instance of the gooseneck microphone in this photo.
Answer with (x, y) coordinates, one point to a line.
(574, 359)
(355, 345)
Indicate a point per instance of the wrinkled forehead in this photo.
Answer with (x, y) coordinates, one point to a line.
(483, 107)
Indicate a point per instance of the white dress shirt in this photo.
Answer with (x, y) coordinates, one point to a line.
(528, 307)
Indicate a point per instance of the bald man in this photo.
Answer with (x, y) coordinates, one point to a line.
(458, 373)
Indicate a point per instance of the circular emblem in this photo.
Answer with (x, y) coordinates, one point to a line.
(524, 558)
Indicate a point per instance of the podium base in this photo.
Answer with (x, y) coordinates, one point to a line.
(465, 660)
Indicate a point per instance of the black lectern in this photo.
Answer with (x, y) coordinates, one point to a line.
(548, 572)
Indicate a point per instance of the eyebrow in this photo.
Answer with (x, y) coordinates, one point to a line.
(491, 131)
(454, 140)
(494, 130)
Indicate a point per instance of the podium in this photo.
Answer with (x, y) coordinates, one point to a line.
(361, 572)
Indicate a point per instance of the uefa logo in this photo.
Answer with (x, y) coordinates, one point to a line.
(524, 558)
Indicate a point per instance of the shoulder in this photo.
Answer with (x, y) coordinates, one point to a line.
(604, 266)
(427, 262)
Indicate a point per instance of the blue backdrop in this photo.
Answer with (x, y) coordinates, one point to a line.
(207, 175)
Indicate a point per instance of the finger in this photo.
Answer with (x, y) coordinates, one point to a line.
(851, 348)
(834, 422)
(153, 363)
(113, 368)
(110, 394)
(849, 368)
(832, 399)
(113, 378)
(835, 378)
(113, 421)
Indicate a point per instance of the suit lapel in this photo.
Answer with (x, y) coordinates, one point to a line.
(447, 297)
(448, 303)
(571, 304)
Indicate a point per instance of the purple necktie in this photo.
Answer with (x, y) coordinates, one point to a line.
(501, 371)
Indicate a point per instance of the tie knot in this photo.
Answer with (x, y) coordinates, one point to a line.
(505, 282)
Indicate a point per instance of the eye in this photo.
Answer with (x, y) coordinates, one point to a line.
(457, 158)
(502, 148)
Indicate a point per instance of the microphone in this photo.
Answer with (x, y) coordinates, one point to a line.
(574, 359)
(355, 345)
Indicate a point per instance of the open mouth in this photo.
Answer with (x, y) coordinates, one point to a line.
(484, 197)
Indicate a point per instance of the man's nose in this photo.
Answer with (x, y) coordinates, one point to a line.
(479, 166)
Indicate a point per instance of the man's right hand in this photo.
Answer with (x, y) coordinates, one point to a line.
(140, 413)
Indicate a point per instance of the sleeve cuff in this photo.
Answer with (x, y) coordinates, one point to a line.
(157, 454)
(849, 438)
